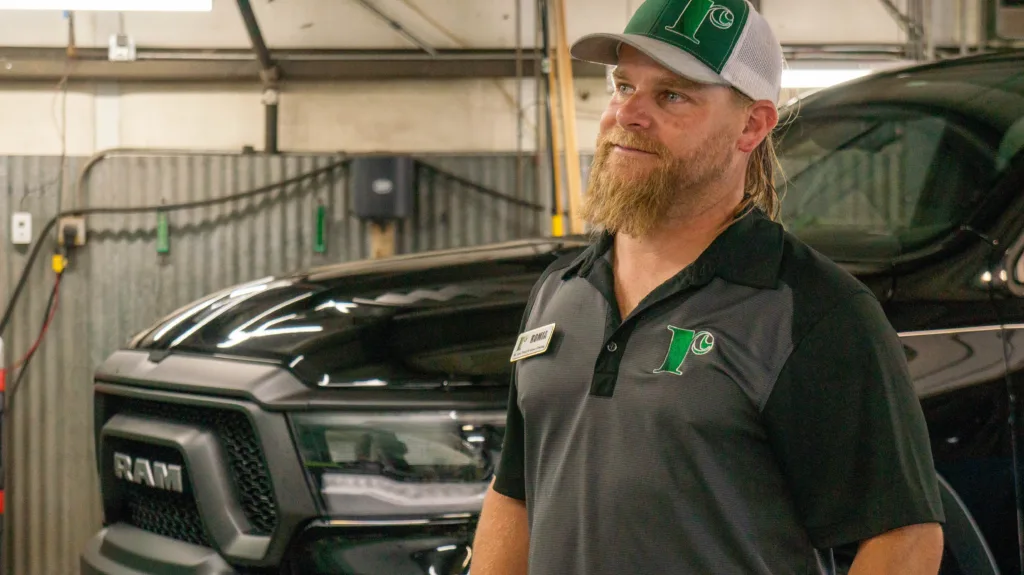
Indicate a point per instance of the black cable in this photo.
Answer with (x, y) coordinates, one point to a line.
(481, 189)
(38, 244)
(28, 358)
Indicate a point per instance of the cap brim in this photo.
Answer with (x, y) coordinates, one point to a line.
(604, 49)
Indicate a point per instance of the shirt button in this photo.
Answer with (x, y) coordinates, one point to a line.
(612, 347)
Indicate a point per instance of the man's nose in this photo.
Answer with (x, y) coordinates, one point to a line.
(633, 114)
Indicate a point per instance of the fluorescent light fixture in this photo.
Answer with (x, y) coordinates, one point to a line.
(820, 77)
(110, 5)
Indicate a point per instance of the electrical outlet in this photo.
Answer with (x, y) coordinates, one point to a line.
(21, 228)
(69, 224)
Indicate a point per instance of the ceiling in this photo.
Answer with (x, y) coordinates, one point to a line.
(442, 24)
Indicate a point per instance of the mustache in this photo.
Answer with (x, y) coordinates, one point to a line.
(634, 140)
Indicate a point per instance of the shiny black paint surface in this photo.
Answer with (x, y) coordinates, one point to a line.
(394, 326)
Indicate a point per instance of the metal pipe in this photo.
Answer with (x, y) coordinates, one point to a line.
(519, 98)
(928, 18)
(269, 72)
(398, 27)
(538, 116)
(908, 23)
(963, 27)
(255, 35)
(271, 123)
(549, 110)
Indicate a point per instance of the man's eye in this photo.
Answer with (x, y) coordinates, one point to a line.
(674, 97)
(624, 88)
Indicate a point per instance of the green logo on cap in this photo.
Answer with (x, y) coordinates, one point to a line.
(721, 17)
(708, 29)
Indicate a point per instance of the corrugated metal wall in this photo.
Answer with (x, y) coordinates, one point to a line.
(119, 284)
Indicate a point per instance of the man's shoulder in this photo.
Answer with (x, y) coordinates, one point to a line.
(818, 284)
(555, 270)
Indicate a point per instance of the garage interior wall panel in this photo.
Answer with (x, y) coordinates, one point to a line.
(119, 284)
(449, 214)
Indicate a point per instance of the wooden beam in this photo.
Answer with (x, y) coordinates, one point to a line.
(567, 95)
(382, 239)
(558, 220)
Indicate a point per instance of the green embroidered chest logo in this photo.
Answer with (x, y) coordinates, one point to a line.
(684, 342)
(696, 13)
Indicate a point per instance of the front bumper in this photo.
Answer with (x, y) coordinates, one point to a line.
(322, 548)
(125, 550)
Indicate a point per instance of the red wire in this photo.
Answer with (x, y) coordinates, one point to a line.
(46, 325)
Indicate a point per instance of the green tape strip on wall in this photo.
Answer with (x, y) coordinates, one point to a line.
(163, 233)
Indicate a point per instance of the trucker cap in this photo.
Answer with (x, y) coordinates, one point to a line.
(709, 41)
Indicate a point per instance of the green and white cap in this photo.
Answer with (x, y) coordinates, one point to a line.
(709, 41)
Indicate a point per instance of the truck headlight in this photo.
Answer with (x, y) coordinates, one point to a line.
(388, 465)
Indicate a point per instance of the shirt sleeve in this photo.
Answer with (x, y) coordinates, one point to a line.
(849, 431)
(509, 479)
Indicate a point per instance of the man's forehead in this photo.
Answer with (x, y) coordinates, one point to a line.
(633, 62)
(652, 72)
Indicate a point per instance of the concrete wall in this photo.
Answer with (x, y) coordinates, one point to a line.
(421, 116)
(447, 116)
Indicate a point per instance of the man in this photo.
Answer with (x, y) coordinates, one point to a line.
(699, 392)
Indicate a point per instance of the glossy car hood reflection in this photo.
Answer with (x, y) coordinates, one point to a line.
(420, 323)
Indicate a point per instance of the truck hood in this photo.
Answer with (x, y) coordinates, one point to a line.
(447, 316)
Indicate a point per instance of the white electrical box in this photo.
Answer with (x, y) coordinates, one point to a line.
(21, 228)
(121, 48)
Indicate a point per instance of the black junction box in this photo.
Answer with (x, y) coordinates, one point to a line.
(383, 187)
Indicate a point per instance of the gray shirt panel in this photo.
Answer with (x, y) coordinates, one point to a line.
(682, 459)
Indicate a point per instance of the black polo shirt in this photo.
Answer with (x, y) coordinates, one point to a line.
(752, 409)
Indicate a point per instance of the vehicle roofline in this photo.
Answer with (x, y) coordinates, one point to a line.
(1007, 54)
(538, 245)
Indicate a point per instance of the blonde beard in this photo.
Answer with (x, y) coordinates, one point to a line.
(623, 199)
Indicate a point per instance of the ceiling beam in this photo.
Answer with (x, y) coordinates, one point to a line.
(241, 66)
(48, 64)
(252, 27)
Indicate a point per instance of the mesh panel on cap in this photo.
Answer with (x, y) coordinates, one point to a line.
(756, 63)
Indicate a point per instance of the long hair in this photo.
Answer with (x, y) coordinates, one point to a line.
(759, 189)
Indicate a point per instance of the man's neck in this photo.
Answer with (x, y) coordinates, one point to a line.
(642, 264)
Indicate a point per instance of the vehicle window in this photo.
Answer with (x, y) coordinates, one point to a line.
(881, 168)
(875, 185)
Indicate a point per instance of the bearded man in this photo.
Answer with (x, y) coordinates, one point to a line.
(699, 392)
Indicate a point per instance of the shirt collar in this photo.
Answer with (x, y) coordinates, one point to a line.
(749, 252)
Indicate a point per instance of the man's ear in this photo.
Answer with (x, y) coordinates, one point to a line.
(762, 116)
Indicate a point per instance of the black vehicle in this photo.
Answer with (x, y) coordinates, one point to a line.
(347, 420)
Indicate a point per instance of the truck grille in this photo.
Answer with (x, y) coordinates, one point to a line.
(161, 512)
(165, 513)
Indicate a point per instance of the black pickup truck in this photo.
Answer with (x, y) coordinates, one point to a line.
(347, 420)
